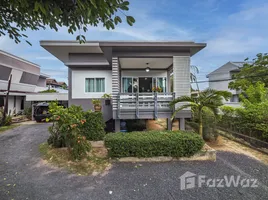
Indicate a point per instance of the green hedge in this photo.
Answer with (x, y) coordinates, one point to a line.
(94, 126)
(153, 143)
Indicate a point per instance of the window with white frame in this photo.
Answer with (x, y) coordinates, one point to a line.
(135, 84)
(95, 85)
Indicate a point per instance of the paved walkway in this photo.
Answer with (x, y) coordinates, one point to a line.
(23, 175)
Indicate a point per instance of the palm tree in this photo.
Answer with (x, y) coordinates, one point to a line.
(208, 99)
(193, 75)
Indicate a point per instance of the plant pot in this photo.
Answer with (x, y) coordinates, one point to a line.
(97, 108)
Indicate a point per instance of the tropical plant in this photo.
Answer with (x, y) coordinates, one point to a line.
(96, 102)
(76, 15)
(193, 75)
(252, 117)
(208, 99)
(106, 96)
(49, 91)
(252, 72)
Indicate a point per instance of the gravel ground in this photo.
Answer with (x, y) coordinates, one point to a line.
(23, 175)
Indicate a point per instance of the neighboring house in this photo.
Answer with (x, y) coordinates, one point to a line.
(26, 78)
(54, 84)
(128, 71)
(63, 85)
(219, 79)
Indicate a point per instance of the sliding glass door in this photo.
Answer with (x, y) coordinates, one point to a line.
(143, 84)
(130, 85)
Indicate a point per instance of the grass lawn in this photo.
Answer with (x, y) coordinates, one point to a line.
(5, 128)
(96, 162)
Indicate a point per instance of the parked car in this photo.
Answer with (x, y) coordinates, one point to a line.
(41, 112)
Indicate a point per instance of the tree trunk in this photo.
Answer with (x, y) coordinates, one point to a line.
(6, 103)
(200, 123)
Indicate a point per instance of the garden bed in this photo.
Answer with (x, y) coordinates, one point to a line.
(94, 163)
(154, 146)
(207, 153)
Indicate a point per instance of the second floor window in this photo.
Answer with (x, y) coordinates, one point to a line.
(95, 85)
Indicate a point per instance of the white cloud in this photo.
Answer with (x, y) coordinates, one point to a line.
(243, 33)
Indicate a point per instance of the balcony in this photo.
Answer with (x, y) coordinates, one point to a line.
(144, 105)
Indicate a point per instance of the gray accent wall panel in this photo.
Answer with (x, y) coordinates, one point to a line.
(87, 105)
(18, 64)
(181, 76)
(87, 57)
(41, 82)
(115, 82)
(4, 72)
(29, 78)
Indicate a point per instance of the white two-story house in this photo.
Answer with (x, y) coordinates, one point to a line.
(26, 79)
(220, 78)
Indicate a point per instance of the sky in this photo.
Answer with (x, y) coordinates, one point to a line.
(232, 29)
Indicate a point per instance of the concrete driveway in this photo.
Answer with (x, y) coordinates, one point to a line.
(23, 175)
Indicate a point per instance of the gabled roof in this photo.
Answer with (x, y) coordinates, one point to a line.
(227, 67)
(62, 83)
(51, 81)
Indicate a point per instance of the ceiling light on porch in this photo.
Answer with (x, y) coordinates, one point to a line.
(147, 68)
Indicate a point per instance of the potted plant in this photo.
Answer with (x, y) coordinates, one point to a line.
(107, 98)
(97, 105)
(157, 89)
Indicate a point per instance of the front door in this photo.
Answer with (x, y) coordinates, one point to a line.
(145, 84)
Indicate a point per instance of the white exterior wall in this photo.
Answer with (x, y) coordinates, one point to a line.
(78, 83)
(223, 73)
(47, 97)
(17, 86)
(11, 107)
(10, 104)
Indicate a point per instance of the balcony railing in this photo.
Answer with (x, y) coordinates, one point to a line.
(144, 102)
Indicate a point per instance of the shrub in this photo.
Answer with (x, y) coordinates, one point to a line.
(94, 126)
(153, 143)
(209, 124)
(49, 91)
(66, 129)
(7, 121)
(28, 112)
(80, 147)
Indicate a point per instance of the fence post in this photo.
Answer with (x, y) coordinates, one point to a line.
(155, 105)
(118, 106)
(137, 105)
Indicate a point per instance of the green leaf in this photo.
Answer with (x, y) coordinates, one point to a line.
(117, 20)
(130, 20)
(29, 43)
(93, 3)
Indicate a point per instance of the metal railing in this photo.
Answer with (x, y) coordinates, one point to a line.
(139, 102)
